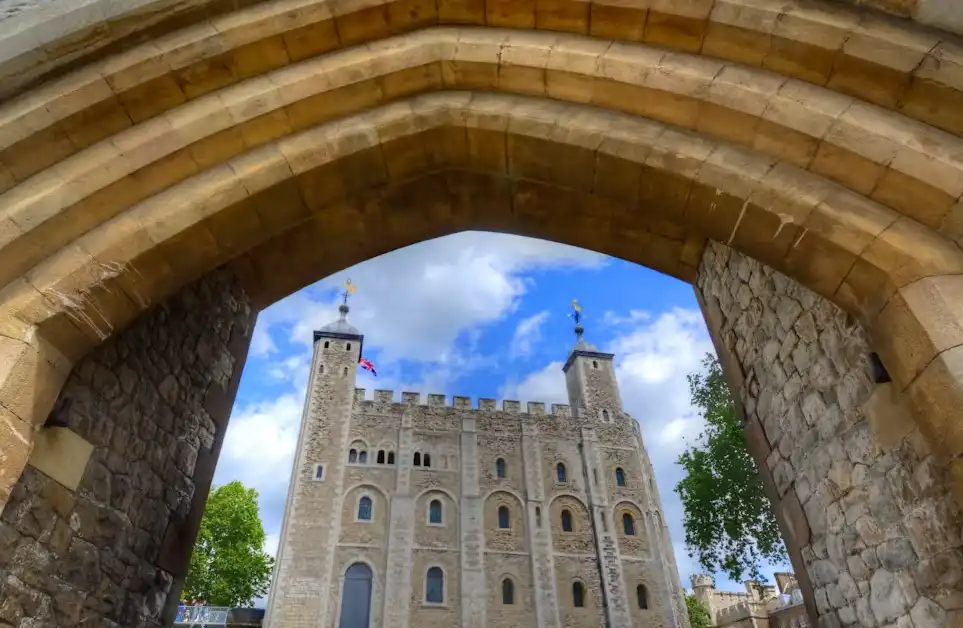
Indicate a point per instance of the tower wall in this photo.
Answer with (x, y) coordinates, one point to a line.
(464, 442)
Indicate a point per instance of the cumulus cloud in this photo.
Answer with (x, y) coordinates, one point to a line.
(414, 303)
(527, 334)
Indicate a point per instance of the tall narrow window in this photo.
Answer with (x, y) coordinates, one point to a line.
(605, 415)
(417, 461)
(344, 373)
(508, 591)
(352, 456)
(538, 516)
(427, 460)
(435, 586)
(500, 467)
(566, 521)
(319, 472)
(595, 364)
(560, 471)
(503, 519)
(434, 511)
(364, 509)
(578, 595)
(363, 457)
(321, 370)
(642, 596)
(348, 348)
(356, 597)
(381, 456)
(326, 344)
(628, 524)
(620, 476)
(391, 457)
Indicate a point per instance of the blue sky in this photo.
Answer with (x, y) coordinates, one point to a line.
(480, 315)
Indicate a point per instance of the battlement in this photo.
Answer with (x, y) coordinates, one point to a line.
(535, 408)
(701, 580)
(734, 613)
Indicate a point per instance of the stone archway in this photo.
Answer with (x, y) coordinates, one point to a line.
(182, 166)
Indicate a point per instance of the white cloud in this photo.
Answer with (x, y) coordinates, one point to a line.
(414, 303)
(527, 334)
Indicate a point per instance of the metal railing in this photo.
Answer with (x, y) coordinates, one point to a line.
(202, 616)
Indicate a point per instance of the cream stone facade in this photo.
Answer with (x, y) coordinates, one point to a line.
(402, 514)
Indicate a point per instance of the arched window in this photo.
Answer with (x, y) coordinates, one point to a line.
(352, 456)
(356, 597)
(435, 586)
(391, 457)
(503, 519)
(508, 591)
(417, 461)
(345, 372)
(500, 467)
(628, 524)
(595, 364)
(560, 471)
(326, 344)
(321, 370)
(363, 457)
(427, 460)
(381, 456)
(620, 476)
(348, 348)
(642, 596)
(566, 521)
(434, 511)
(605, 415)
(578, 595)
(538, 516)
(364, 509)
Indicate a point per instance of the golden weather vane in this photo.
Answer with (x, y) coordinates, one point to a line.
(577, 311)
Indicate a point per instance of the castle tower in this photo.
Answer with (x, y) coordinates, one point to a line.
(310, 526)
(593, 390)
(409, 515)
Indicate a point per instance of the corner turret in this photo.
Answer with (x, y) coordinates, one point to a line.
(593, 390)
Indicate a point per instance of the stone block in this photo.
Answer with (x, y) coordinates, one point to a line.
(61, 454)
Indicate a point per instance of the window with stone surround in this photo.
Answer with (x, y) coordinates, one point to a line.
(435, 586)
(508, 591)
(348, 348)
(362, 457)
(578, 594)
(427, 460)
(319, 472)
(434, 512)
(352, 456)
(504, 517)
(560, 473)
(628, 524)
(356, 597)
(416, 461)
(391, 457)
(364, 508)
(381, 456)
(326, 344)
(642, 597)
(500, 467)
(567, 521)
(619, 476)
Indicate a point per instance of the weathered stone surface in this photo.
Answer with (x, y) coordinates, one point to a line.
(71, 558)
(885, 536)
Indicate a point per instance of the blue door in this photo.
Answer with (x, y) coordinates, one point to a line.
(356, 597)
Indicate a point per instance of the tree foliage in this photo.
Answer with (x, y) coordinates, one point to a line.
(229, 566)
(729, 523)
(698, 613)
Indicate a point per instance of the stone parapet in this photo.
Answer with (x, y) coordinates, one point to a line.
(507, 406)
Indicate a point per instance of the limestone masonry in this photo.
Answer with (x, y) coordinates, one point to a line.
(403, 514)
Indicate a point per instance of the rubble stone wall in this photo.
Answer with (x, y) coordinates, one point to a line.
(153, 401)
(862, 499)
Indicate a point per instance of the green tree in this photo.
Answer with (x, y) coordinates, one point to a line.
(698, 613)
(229, 566)
(729, 523)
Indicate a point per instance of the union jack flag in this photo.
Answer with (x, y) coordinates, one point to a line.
(368, 366)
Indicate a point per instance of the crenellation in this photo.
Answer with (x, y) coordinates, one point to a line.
(561, 410)
(437, 401)
(461, 403)
(384, 396)
(536, 408)
(489, 405)
(411, 398)
(510, 406)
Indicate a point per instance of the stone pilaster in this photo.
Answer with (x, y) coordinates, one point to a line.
(607, 546)
(539, 531)
(401, 532)
(473, 589)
